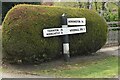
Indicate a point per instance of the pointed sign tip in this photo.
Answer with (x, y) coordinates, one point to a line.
(63, 14)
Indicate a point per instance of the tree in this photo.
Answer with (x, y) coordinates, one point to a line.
(80, 4)
(0, 11)
(103, 6)
(88, 4)
(6, 6)
(68, 4)
(96, 5)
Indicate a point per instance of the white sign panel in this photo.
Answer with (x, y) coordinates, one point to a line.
(74, 30)
(76, 21)
(52, 32)
(63, 31)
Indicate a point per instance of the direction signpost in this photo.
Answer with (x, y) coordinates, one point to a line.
(65, 31)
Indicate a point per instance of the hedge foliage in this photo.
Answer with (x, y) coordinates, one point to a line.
(23, 39)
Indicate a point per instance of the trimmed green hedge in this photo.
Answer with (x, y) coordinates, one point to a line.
(23, 39)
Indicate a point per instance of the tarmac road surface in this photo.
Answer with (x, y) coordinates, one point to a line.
(13, 75)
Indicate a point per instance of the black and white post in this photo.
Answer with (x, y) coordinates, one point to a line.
(66, 52)
(77, 28)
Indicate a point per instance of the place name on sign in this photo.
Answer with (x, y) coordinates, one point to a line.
(74, 30)
(76, 21)
(63, 31)
(51, 32)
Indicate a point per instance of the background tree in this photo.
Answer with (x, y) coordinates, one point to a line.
(96, 5)
(80, 4)
(0, 11)
(119, 11)
(68, 4)
(88, 4)
(6, 6)
(103, 6)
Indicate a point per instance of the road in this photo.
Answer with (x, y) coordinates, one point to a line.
(13, 75)
(110, 50)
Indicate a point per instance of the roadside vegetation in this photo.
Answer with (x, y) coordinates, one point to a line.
(104, 68)
(80, 67)
(22, 35)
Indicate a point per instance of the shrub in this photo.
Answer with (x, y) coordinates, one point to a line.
(23, 39)
(109, 16)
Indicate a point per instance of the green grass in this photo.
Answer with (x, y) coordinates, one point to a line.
(105, 68)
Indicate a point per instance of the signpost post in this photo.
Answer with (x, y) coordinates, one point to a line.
(66, 52)
(65, 31)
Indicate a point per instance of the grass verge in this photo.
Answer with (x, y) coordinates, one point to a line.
(105, 68)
